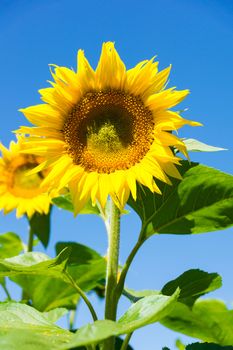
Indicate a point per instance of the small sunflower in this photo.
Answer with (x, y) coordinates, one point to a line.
(17, 189)
(105, 130)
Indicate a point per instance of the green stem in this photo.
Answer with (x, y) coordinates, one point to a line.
(121, 282)
(30, 241)
(72, 319)
(126, 341)
(29, 249)
(113, 228)
(83, 295)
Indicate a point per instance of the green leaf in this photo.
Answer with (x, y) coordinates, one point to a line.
(40, 226)
(208, 320)
(193, 283)
(148, 310)
(193, 145)
(34, 263)
(10, 245)
(135, 295)
(65, 202)
(207, 346)
(55, 314)
(201, 202)
(85, 265)
(79, 253)
(24, 328)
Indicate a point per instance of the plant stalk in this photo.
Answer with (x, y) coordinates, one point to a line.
(30, 241)
(83, 295)
(125, 343)
(113, 228)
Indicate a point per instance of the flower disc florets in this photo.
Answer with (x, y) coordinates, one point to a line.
(108, 131)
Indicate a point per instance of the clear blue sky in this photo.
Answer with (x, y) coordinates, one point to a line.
(196, 37)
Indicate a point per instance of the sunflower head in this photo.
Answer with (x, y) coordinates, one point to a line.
(103, 131)
(19, 189)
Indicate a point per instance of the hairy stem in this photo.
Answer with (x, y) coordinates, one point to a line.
(113, 228)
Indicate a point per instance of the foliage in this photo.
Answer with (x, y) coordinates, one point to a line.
(54, 286)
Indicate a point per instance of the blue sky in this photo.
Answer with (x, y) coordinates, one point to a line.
(195, 36)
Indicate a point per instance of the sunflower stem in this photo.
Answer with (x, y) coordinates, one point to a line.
(83, 295)
(125, 343)
(125, 269)
(113, 228)
(29, 249)
(30, 240)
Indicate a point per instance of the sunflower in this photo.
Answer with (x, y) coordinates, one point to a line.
(17, 189)
(103, 131)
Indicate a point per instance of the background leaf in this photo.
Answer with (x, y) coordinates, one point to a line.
(10, 245)
(207, 346)
(193, 145)
(65, 202)
(193, 283)
(208, 320)
(40, 226)
(201, 202)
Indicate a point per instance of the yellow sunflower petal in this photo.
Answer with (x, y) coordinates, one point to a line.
(111, 71)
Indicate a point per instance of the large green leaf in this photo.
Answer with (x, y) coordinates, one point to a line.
(148, 310)
(207, 346)
(10, 245)
(40, 226)
(65, 202)
(201, 202)
(208, 320)
(193, 145)
(193, 283)
(24, 328)
(86, 267)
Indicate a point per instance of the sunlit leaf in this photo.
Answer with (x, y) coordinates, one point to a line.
(193, 145)
(208, 320)
(148, 310)
(85, 265)
(34, 263)
(55, 314)
(24, 328)
(135, 295)
(201, 202)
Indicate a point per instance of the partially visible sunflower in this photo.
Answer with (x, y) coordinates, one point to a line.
(17, 189)
(104, 130)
